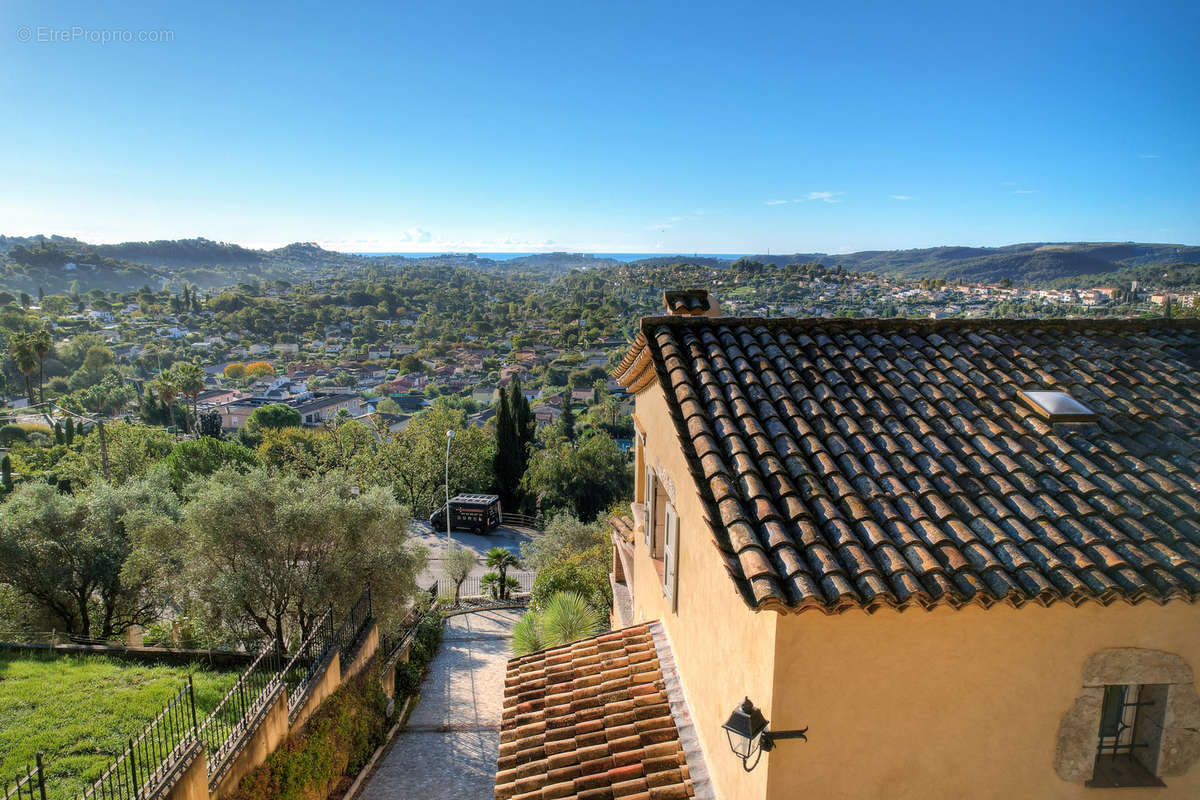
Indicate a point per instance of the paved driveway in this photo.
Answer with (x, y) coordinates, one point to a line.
(448, 751)
(504, 536)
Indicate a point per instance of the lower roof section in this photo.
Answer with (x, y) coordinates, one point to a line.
(599, 719)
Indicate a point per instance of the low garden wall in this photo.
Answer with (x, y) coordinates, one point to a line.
(221, 659)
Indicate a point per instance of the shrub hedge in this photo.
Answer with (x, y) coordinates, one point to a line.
(337, 740)
(425, 644)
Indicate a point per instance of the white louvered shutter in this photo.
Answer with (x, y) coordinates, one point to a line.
(671, 556)
(651, 492)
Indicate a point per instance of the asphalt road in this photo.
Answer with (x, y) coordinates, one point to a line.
(507, 537)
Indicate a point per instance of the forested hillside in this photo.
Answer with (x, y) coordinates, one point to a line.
(1033, 263)
(62, 264)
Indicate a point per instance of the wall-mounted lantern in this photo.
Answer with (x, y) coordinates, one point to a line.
(749, 737)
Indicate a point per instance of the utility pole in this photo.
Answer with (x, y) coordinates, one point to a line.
(449, 438)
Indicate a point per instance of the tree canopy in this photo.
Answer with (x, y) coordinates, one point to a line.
(270, 551)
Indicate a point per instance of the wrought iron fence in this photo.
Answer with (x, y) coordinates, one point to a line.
(165, 743)
(474, 587)
(304, 666)
(352, 626)
(151, 756)
(224, 731)
(30, 786)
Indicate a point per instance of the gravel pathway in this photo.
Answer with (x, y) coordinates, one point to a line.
(448, 751)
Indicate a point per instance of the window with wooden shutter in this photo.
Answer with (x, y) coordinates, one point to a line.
(651, 501)
(671, 556)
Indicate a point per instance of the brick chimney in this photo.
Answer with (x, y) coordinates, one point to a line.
(691, 303)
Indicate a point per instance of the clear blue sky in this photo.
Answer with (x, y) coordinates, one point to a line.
(607, 126)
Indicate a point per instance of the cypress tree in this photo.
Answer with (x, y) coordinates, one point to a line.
(523, 423)
(6, 472)
(568, 418)
(508, 474)
(69, 436)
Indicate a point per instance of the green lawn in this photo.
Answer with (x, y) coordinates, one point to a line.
(80, 711)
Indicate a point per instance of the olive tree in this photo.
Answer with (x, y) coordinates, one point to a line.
(458, 563)
(73, 556)
(274, 549)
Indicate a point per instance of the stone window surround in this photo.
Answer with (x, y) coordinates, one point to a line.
(1078, 733)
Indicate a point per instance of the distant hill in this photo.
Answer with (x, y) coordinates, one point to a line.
(182, 253)
(1037, 262)
(561, 261)
(60, 263)
(41, 262)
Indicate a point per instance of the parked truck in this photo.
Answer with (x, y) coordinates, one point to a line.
(477, 513)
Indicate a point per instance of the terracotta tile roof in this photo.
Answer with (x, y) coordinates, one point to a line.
(870, 463)
(688, 301)
(592, 720)
(622, 526)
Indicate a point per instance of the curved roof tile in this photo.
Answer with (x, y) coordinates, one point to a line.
(871, 463)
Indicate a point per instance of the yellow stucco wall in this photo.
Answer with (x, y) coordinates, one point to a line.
(193, 783)
(272, 729)
(723, 651)
(930, 705)
(951, 704)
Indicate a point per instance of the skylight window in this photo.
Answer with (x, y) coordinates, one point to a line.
(1058, 406)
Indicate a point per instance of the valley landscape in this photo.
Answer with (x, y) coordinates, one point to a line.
(599, 401)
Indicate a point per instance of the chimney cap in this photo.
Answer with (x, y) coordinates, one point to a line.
(691, 303)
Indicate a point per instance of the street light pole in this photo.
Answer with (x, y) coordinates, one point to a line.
(449, 438)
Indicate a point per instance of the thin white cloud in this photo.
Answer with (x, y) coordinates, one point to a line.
(776, 202)
(1024, 191)
(901, 196)
(826, 197)
(1147, 155)
(416, 236)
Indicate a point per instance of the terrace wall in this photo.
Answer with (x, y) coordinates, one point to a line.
(270, 732)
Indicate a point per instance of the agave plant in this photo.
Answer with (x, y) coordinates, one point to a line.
(566, 618)
(527, 635)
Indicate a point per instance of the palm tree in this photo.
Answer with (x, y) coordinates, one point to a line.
(26, 359)
(164, 387)
(502, 559)
(567, 618)
(189, 378)
(41, 343)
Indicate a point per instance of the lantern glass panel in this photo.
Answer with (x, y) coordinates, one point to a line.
(739, 744)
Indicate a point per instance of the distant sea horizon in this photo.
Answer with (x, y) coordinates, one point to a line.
(507, 256)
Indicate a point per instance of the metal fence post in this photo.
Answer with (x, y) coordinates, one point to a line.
(41, 776)
(133, 770)
(192, 703)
